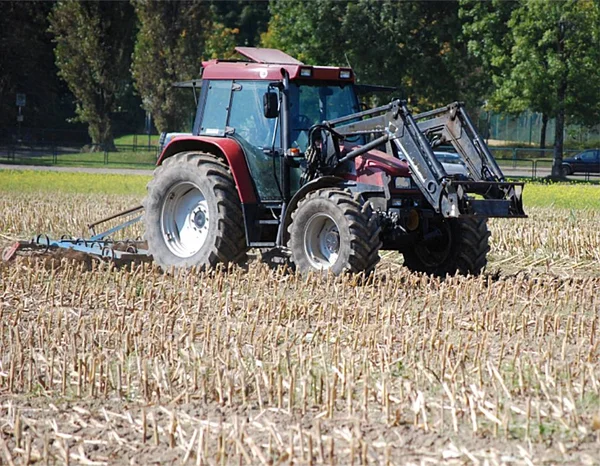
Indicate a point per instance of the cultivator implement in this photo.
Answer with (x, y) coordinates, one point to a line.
(98, 245)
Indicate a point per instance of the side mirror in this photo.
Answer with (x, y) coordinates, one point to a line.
(271, 104)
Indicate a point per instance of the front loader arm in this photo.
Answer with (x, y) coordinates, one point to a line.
(451, 124)
(395, 124)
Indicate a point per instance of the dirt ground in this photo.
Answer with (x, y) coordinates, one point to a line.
(253, 365)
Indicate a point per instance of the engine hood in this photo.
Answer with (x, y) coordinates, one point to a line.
(377, 161)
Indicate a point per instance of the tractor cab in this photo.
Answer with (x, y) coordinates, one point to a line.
(267, 103)
(233, 99)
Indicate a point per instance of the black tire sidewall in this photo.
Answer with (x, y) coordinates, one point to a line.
(304, 213)
(170, 175)
(453, 262)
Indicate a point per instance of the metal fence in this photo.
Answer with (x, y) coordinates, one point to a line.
(535, 163)
(514, 161)
(527, 127)
(83, 155)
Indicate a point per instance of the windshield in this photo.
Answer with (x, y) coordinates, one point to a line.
(313, 103)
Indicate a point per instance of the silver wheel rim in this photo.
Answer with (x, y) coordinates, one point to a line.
(185, 219)
(321, 241)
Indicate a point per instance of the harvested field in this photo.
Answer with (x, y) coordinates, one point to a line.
(261, 366)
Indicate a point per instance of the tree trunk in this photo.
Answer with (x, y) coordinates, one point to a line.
(559, 133)
(560, 116)
(543, 132)
(102, 135)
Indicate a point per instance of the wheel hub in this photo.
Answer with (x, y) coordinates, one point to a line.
(199, 218)
(321, 241)
(332, 241)
(185, 219)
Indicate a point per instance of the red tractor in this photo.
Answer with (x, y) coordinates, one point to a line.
(281, 158)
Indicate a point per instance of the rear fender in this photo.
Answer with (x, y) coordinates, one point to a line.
(226, 148)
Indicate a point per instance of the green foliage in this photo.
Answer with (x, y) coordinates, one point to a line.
(93, 49)
(415, 46)
(27, 66)
(489, 42)
(172, 40)
(537, 66)
(169, 48)
(541, 56)
(246, 19)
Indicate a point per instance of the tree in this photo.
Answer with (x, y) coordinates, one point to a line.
(94, 42)
(27, 66)
(169, 48)
(248, 17)
(547, 61)
(414, 46)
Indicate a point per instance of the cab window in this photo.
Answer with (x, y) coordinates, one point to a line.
(214, 116)
(246, 115)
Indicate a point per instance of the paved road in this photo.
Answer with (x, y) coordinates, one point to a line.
(118, 171)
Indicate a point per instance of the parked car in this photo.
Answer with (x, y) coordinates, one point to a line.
(587, 161)
(452, 163)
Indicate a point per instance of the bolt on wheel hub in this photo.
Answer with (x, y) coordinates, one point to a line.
(199, 218)
(321, 241)
(185, 219)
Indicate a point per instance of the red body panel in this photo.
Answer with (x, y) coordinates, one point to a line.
(228, 148)
(215, 69)
(372, 166)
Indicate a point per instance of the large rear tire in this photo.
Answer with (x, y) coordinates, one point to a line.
(460, 247)
(334, 231)
(193, 214)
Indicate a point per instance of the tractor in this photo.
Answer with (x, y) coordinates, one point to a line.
(282, 158)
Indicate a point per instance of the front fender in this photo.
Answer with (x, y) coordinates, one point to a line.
(319, 183)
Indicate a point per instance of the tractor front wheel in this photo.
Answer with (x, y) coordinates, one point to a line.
(332, 230)
(452, 246)
(193, 214)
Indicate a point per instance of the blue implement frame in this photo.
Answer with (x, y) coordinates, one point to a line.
(99, 244)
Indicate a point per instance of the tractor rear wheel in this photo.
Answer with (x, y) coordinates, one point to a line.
(193, 214)
(332, 230)
(459, 247)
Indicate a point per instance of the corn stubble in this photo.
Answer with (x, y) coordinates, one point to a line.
(261, 366)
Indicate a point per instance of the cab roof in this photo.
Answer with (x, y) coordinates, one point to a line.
(268, 64)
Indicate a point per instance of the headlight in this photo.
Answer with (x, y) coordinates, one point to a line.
(402, 182)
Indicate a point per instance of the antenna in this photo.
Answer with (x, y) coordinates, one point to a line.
(350, 66)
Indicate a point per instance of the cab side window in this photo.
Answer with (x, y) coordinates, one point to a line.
(214, 117)
(246, 114)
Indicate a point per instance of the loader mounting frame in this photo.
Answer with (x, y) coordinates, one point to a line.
(412, 138)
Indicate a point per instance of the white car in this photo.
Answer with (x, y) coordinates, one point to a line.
(452, 163)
